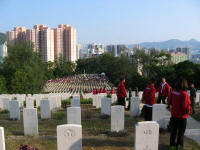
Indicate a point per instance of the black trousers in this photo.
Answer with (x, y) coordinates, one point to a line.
(147, 113)
(178, 126)
(192, 104)
(121, 101)
(161, 98)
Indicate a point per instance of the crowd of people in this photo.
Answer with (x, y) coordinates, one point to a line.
(176, 99)
(85, 83)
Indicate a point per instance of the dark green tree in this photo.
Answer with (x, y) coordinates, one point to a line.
(23, 69)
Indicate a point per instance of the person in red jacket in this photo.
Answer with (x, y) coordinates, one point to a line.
(105, 91)
(94, 91)
(112, 91)
(148, 98)
(180, 102)
(121, 92)
(163, 91)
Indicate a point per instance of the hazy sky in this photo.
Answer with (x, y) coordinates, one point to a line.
(108, 21)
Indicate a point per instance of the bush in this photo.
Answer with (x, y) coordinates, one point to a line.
(65, 102)
(86, 101)
(4, 112)
(109, 96)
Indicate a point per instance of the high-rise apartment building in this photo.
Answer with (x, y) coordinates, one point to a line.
(185, 50)
(51, 43)
(65, 42)
(18, 34)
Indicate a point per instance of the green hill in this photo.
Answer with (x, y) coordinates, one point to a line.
(2, 38)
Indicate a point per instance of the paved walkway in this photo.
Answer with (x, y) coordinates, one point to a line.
(193, 129)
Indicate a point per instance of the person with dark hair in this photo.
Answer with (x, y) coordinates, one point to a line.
(163, 91)
(121, 92)
(180, 102)
(192, 97)
(148, 99)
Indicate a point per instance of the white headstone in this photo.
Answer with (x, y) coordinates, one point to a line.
(135, 106)
(159, 113)
(2, 139)
(95, 97)
(74, 115)
(45, 110)
(69, 137)
(146, 135)
(30, 102)
(30, 121)
(4, 103)
(53, 102)
(105, 106)
(140, 93)
(14, 109)
(98, 101)
(75, 102)
(117, 118)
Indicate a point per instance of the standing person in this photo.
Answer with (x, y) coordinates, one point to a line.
(148, 99)
(180, 102)
(121, 92)
(112, 91)
(192, 97)
(129, 98)
(163, 91)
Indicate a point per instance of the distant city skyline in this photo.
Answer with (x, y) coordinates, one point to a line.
(108, 21)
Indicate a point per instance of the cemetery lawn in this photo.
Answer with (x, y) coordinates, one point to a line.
(96, 132)
(197, 112)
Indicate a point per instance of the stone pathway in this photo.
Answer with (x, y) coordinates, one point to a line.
(193, 129)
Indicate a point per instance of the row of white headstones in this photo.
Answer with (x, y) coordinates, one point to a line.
(69, 136)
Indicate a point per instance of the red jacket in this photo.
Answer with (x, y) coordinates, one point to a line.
(105, 91)
(121, 90)
(149, 95)
(165, 91)
(94, 92)
(112, 91)
(180, 102)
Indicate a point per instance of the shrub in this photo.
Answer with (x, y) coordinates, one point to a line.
(109, 95)
(4, 112)
(86, 101)
(65, 102)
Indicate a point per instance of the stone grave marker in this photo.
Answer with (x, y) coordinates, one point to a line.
(135, 106)
(45, 110)
(74, 115)
(117, 118)
(69, 137)
(30, 121)
(14, 109)
(146, 135)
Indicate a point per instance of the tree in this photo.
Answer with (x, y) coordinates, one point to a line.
(63, 68)
(25, 67)
(3, 88)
